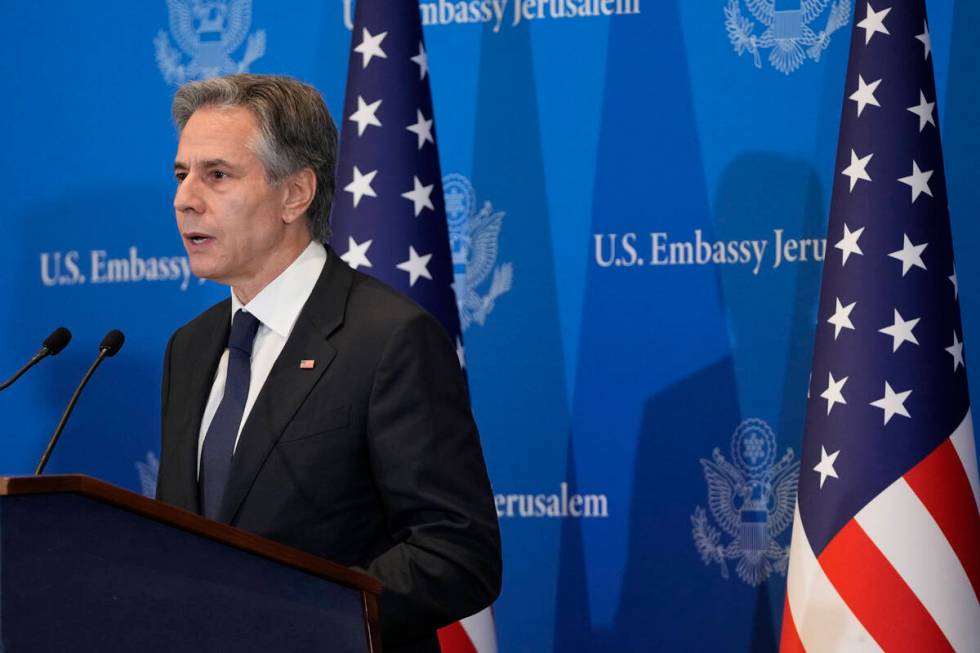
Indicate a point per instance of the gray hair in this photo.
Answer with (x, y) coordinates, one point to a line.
(295, 130)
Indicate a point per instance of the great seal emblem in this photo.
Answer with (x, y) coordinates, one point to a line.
(752, 500)
(786, 29)
(207, 31)
(475, 239)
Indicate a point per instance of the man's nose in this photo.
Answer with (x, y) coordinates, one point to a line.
(188, 196)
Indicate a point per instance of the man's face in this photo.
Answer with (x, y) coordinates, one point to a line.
(229, 217)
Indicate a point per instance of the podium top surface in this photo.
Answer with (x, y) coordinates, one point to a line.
(104, 492)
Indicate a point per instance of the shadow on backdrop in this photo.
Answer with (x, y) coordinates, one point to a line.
(670, 600)
(533, 419)
(772, 315)
(961, 142)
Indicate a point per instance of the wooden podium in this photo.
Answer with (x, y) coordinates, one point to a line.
(87, 566)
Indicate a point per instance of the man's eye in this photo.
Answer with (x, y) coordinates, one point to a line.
(218, 174)
(180, 176)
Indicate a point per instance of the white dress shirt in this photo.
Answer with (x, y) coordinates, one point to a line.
(277, 306)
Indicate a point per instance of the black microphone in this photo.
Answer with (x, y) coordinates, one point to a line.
(111, 344)
(53, 344)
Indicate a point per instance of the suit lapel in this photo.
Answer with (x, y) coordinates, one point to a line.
(207, 342)
(288, 385)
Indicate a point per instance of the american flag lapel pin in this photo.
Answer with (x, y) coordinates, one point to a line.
(307, 364)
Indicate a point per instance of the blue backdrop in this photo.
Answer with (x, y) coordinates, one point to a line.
(644, 189)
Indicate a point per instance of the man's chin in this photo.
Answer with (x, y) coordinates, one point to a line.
(202, 270)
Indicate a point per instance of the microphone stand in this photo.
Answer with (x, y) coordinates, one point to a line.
(103, 352)
(52, 345)
(28, 365)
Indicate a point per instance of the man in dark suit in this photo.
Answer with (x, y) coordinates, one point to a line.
(316, 406)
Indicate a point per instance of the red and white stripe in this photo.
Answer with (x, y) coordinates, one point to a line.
(904, 574)
(474, 634)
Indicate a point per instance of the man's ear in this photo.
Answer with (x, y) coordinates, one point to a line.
(299, 189)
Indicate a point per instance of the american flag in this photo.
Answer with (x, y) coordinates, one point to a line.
(389, 216)
(885, 552)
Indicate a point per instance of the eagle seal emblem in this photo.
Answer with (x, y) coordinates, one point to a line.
(207, 31)
(752, 499)
(474, 236)
(786, 29)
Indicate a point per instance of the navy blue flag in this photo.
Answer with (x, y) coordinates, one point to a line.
(886, 539)
(389, 216)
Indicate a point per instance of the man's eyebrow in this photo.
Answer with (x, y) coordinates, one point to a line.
(216, 163)
(209, 163)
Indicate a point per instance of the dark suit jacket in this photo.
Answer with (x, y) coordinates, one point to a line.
(370, 459)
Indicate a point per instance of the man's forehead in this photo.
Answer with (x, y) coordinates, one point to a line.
(217, 133)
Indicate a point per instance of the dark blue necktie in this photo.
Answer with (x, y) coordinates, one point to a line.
(219, 443)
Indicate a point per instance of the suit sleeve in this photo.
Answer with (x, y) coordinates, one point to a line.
(429, 468)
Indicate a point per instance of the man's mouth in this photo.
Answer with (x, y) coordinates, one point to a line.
(197, 238)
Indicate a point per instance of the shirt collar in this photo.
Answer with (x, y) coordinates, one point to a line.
(277, 306)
